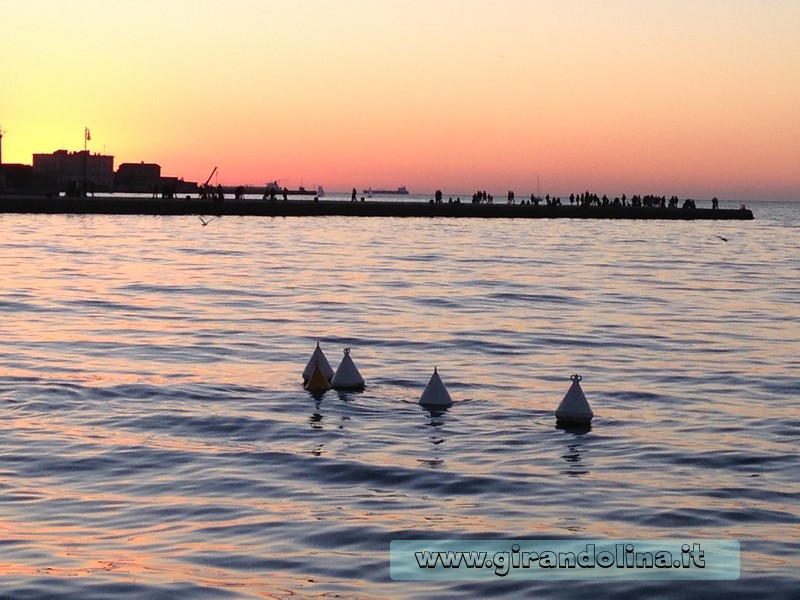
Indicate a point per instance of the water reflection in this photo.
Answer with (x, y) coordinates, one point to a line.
(436, 421)
(574, 458)
(572, 524)
(318, 450)
(576, 428)
(316, 420)
(436, 414)
(317, 395)
(348, 395)
(316, 417)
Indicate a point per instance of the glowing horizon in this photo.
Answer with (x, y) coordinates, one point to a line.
(649, 96)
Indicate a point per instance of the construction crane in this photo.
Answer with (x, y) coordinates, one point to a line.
(205, 189)
(210, 176)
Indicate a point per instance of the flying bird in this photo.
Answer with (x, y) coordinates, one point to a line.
(722, 238)
(205, 222)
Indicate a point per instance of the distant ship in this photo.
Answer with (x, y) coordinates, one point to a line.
(401, 191)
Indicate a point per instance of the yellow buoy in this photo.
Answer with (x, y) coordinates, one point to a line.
(318, 357)
(317, 382)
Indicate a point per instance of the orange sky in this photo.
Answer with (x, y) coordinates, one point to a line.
(696, 98)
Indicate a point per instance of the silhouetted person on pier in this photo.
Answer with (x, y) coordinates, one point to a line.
(167, 191)
(353, 195)
(714, 203)
(285, 194)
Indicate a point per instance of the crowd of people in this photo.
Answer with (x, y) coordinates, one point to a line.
(209, 192)
(588, 199)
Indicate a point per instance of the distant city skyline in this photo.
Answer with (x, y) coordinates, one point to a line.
(697, 99)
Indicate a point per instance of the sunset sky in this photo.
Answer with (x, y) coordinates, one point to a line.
(689, 97)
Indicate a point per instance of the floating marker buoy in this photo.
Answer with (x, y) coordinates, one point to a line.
(574, 408)
(317, 382)
(435, 393)
(317, 358)
(347, 376)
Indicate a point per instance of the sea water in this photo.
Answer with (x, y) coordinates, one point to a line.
(156, 440)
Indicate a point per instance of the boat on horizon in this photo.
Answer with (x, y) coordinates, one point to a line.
(401, 191)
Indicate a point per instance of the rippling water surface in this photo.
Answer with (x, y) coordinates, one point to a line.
(156, 440)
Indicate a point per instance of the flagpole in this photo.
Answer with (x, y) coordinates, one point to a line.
(86, 137)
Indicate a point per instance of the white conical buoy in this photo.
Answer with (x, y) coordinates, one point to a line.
(435, 393)
(317, 382)
(318, 357)
(347, 376)
(574, 408)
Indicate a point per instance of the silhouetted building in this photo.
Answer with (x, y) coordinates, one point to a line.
(20, 179)
(137, 177)
(80, 171)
